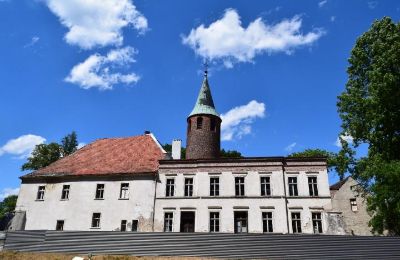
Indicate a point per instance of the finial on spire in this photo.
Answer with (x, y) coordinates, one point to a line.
(205, 68)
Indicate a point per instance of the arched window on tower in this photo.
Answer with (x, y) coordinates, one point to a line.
(212, 124)
(199, 122)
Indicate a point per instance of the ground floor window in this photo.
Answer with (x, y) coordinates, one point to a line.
(267, 222)
(296, 222)
(214, 221)
(60, 225)
(317, 222)
(123, 225)
(240, 220)
(96, 220)
(135, 225)
(168, 221)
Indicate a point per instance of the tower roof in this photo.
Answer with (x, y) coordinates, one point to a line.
(204, 103)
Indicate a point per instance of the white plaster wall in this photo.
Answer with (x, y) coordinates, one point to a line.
(77, 211)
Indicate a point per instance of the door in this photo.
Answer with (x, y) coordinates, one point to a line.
(240, 220)
(187, 221)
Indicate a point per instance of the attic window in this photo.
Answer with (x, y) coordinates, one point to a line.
(353, 205)
(199, 123)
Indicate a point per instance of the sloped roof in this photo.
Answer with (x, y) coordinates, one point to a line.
(339, 184)
(204, 103)
(137, 154)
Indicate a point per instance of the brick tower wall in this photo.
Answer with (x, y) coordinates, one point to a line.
(203, 143)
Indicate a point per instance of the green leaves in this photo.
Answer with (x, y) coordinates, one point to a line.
(8, 205)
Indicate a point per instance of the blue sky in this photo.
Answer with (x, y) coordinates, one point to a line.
(118, 68)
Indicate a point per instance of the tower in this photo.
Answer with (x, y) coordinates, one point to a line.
(203, 126)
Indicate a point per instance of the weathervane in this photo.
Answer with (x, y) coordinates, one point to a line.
(205, 68)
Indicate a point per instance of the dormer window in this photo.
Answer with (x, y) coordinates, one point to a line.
(199, 123)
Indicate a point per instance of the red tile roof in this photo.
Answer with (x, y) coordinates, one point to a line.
(137, 154)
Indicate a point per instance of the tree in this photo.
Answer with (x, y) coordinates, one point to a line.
(223, 154)
(69, 144)
(370, 112)
(8, 205)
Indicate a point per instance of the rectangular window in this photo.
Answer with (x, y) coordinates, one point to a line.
(214, 186)
(134, 225)
(100, 191)
(293, 186)
(60, 225)
(296, 222)
(65, 192)
(353, 205)
(170, 188)
(124, 192)
(265, 186)
(312, 186)
(267, 222)
(40, 193)
(239, 186)
(317, 222)
(123, 225)
(214, 221)
(168, 218)
(188, 187)
(96, 220)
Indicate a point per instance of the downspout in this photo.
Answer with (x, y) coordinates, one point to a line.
(154, 202)
(285, 196)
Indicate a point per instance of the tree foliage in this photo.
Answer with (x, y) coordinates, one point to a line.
(370, 112)
(45, 154)
(8, 205)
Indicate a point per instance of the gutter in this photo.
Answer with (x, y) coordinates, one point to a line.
(154, 202)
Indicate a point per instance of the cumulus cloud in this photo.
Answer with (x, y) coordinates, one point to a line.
(322, 3)
(8, 192)
(290, 147)
(237, 122)
(21, 146)
(33, 41)
(94, 23)
(347, 138)
(228, 41)
(98, 71)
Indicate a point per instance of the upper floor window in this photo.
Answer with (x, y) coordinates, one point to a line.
(265, 186)
(188, 187)
(212, 124)
(239, 186)
(214, 221)
(293, 186)
(296, 222)
(124, 192)
(168, 221)
(267, 222)
(170, 186)
(317, 222)
(100, 191)
(312, 186)
(65, 192)
(40, 193)
(353, 205)
(199, 123)
(214, 186)
(96, 220)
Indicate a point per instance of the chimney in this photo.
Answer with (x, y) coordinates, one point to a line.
(147, 132)
(176, 149)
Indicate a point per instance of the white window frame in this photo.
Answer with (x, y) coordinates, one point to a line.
(40, 192)
(101, 191)
(293, 186)
(266, 184)
(317, 221)
(170, 188)
(213, 221)
(124, 191)
(267, 219)
(65, 192)
(241, 185)
(313, 186)
(297, 221)
(170, 222)
(215, 191)
(98, 220)
(188, 187)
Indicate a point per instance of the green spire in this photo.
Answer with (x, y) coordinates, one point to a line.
(204, 103)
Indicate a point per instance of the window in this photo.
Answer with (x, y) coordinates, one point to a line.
(239, 186)
(267, 222)
(134, 225)
(40, 193)
(65, 192)
(189, 125)
(60, 225)
(317, 222)
(265, 186)
(96, 220)
(199, 122)
(100, 191)
(124, 192)
(293, 186)
(168, 218)
(123, 225)
(296, 222)
(214, 186)
(214, 221)
(188, 187)
(212, 124)
(170, 188)
(353, 205)
(312, 186)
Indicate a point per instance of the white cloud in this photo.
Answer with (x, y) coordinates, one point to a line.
(228, 41)
(322, 3)
(347, 138)
(290, 147)
(80, 145)
(7, 192)
(94, 23)
(97, 71)
(33, 41)
(22, 145)
(237, 122)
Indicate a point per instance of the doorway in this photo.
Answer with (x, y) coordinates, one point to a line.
(187, 221)
(240, 219)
